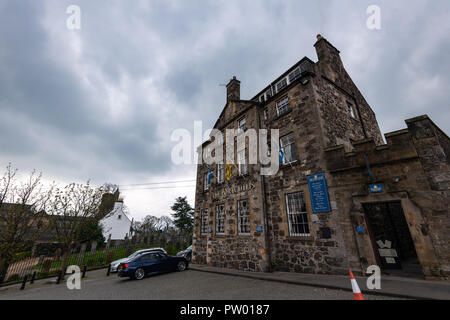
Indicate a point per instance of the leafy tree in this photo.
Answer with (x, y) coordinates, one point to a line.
(92, 231)
(183, 216)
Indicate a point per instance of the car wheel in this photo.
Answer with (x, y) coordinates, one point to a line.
(139, 274)
(181, 266)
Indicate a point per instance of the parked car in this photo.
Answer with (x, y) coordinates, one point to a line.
(115, 264)
(151, 263)
(187, 253)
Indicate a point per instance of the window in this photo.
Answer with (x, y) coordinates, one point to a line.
(269, 93)
(281, 85)
(207, 181)
(294, 75)
(220, 219)
(283, 106)
(220, 173)
(241, 125)
(351, 111)
(243, 217)
(204, 223)
(266, 113)
(297, 216)
(262, 98)
(242, 161)
(287, 144)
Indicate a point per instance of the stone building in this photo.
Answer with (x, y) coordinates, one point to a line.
(342, 198)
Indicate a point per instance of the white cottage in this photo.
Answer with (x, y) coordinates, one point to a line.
(117, 224)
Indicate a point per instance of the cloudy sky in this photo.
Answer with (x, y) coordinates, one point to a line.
(101, 102)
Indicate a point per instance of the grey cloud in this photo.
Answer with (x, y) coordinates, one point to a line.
(148, 67)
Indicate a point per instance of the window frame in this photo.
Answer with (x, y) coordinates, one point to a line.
(283, 147)
(296, 74)
(204, 222)
(220, 221)
(284, 105)
(240, 127)
(246, 217)
(240, 164)
(220, 173)
(302, 212)
(284, 85)
(351, 110)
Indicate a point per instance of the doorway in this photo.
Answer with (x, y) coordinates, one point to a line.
(391, 239)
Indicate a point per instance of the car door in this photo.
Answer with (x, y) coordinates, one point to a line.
(149, 262)
(164, 262)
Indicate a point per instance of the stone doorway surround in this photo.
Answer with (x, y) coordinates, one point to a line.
(416, 224)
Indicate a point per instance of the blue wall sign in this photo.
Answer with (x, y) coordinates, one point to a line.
(259, 228)
(376, 188)
(319, 193)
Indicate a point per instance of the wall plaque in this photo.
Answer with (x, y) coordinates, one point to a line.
(319, 193)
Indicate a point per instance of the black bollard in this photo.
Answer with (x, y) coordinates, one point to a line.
(109, 270)
(24, 282)
(84, 271)
(33, 277)
(59, 277)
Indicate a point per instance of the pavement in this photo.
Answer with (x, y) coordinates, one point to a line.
(187, 285)
(408, 288)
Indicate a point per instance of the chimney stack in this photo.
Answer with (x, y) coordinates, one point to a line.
(233, 90)
(325, 50)
(329, 58)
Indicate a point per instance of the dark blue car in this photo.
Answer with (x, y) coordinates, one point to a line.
(151, 263)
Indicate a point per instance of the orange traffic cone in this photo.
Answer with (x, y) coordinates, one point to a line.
(356, 291)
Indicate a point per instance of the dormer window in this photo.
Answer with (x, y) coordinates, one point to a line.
(294, 75)
(281, 85)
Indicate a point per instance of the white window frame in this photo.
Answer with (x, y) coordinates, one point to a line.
(220, 219)
(297, 215)
(220, 173)
(204, 222)
(269, 93)
(295, 75)
(284, 146)
(350, 110)
(283, 83)
(283, 106)
(266, 113)
(241, 124)
(242, 162)
(243, 218)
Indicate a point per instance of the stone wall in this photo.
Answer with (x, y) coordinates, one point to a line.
(426, 209)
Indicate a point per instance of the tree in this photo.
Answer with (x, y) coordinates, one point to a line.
(22, 214)
(92, 231)
(74, 209)
(183, 216)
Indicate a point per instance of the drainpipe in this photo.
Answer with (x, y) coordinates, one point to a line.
(266, 219)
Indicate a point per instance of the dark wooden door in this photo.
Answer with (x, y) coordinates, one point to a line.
(390, 234)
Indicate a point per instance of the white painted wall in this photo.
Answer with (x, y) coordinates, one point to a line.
(116, 224)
